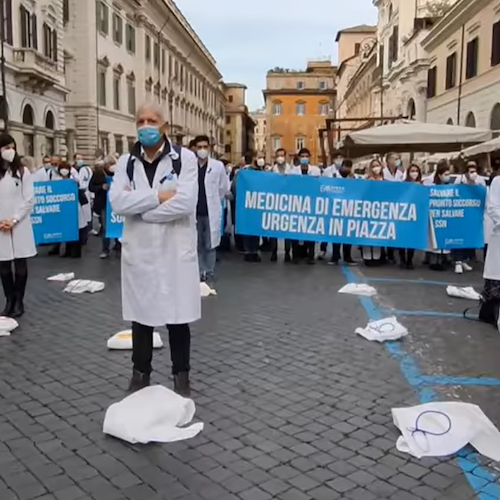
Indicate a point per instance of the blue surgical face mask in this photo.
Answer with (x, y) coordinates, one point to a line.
(398, 163)
(304, 161)
(149, 135)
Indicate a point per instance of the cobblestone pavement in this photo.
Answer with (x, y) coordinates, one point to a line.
(296, 406)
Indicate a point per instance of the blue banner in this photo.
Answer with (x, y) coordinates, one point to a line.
(113, 223)
(55, 214)
(371, 213)
(456, 215)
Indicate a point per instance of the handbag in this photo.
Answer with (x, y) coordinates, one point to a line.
(82, 197)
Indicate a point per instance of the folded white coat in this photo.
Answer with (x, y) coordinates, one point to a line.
(62, 277)
(358, 289)
(123, 340)
(154, 414)
(442, 429)
(383, 329)
(205, 290)
(82, 286)
(462, 293)
(7, 325)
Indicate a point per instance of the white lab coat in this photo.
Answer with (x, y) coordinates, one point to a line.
(462, 179)
(85, 174)
(16, 202)
(492, 262)
(160, 276)
(330, 171)
(216, 188)
(312, 171)
(398, 176)
(283, 169)
(82, 209)
(40, 175)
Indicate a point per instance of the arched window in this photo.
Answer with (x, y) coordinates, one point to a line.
(412, 112)
(470, 121)
(28, 115)
(450, 121)
(300, 108)
(49, 120)
(495, 118)
(391, 11)
(4, 110)
(277, 108)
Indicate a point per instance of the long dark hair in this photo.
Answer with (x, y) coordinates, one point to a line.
(442, 167)
(16, 167)
(419, 178)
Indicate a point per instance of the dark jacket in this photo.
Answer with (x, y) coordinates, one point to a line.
(97, 182)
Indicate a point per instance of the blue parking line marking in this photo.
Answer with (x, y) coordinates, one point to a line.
(457, 380)
(439, 314)
(480, 479)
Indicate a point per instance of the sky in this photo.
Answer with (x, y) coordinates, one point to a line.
(249, 37)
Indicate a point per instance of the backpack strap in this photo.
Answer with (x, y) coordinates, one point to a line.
(130, 168)
(177, 164)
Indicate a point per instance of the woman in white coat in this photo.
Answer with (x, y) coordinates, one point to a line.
(17, 242)
(155, 189)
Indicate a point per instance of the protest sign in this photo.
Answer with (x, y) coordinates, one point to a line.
(55, 214)
(114, 222)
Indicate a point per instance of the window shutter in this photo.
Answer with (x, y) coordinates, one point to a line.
(34, 32)
(54, 45)
(8, 36)
(24, 27)
(495, 45)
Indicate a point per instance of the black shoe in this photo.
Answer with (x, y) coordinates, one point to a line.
(18, 309)
(10, 293)
(138, 381)
(288, 259)
(9, 307)
(256, 258)
(181, 384)
(274, 257)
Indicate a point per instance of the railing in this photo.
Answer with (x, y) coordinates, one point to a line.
(30, 58)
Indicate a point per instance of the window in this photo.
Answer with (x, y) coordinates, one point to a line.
(101, 89)
(300, 108)
(301, 86)
(130, 143)
(276, 143)
(450, 121)
(394, 46)
(49, 120)
(148, 48)
(230, 99)
(431, 82)
(381, 56)
(117, 29)
(156, 55)
(116, 93)
(7, 15)
(227, 148)
(103, 17)
(470, 121)
(65, 11)
(300, 142)
(163, 61)
(495, 118)
(49, 42)
(322, 85)
(131, 97)
(324, 109)
(357, 48)
(130, 38)
(29, 36)
(451, 71)
(277, 109)
(495, 45)
(472, 53)
(228, 120)
(119, 144)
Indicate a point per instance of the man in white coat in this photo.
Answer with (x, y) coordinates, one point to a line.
(155, 189)
(213, 187)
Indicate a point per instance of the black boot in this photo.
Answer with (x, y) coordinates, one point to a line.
(9, 291)
(182, 385)
(20, 288)
(138, 381)
(274, 257)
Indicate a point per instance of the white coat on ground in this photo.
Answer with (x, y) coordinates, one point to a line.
(492, 262)
(16, 202)
(159, 259)
(217, 187)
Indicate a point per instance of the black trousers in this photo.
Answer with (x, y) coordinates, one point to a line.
(179, 337)
(274, 245)
(14, 276)
(251, 244)
(308, 249)
(336, 248)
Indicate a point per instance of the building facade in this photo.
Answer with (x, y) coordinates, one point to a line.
(464, 66)
(35, 90)
(120, 53)
(239, 127)
(260, 119)
(297, 103)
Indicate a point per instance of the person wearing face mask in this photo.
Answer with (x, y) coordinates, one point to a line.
(99, 186)
(85, 174)
(213, 187)
(41, 174)
(155, 190)
(393, 170)
(338, 161)
(17, 242)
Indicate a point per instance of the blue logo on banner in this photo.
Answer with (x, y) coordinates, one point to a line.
(456, 214)
(55, 214)
(371, 213)
(114, 223)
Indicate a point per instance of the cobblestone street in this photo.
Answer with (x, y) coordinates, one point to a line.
(295, 405)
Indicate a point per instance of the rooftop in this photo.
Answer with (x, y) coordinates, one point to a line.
(360, 28)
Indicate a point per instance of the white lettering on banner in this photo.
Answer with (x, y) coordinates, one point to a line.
(116, 219)
(384, 210)
(303, 224)
(278, 202)
(371, 229)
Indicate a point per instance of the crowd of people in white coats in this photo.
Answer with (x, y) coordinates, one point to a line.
(178, 206)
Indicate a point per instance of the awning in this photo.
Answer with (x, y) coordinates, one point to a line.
(482, 149)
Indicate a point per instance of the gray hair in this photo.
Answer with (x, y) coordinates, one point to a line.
(109, 160)
(152, 106)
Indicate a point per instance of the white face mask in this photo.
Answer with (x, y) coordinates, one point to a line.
(202, 154)
(64, 172)
(473, 176)
(414, 175)
(280, 160)
(377, 170)
(229, 169)
(8, 155)
(445, 178)
(112, 168)
(261, 162)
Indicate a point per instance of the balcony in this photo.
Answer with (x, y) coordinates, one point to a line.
(34, 70)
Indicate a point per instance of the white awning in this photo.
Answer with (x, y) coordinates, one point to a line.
(482, 149)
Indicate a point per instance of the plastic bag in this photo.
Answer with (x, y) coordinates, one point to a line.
(82, 286)
(358, 289)
(383, 330)
(123, 341)
(463, 292)
(153, 414)
(206, 291)
(62, 277)
(7, 325)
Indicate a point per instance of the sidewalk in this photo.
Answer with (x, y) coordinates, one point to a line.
(296, 406)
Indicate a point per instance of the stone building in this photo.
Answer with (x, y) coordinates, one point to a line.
(122, 52)
(260, 119)
(35, 89)
(297, 103)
